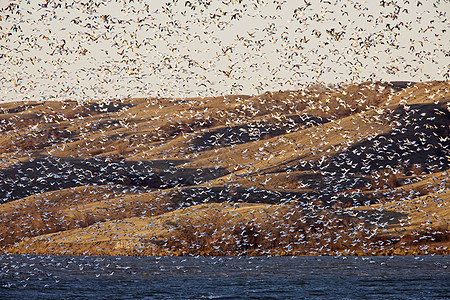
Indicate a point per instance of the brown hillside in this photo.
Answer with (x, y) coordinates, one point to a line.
(357, 169)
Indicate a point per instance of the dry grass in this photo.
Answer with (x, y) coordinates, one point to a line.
(296, 162)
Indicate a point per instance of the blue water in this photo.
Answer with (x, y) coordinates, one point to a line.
(61, 277)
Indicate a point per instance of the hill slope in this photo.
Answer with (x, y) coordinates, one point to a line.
(362, 169)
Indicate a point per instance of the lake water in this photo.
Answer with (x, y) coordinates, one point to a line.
(56, 277)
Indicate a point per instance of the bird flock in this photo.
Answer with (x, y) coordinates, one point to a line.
(116, 49)
(131, 133)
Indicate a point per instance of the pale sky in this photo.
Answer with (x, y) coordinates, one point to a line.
(116, 49)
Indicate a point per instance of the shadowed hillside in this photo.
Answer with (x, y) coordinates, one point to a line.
(355, 170)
